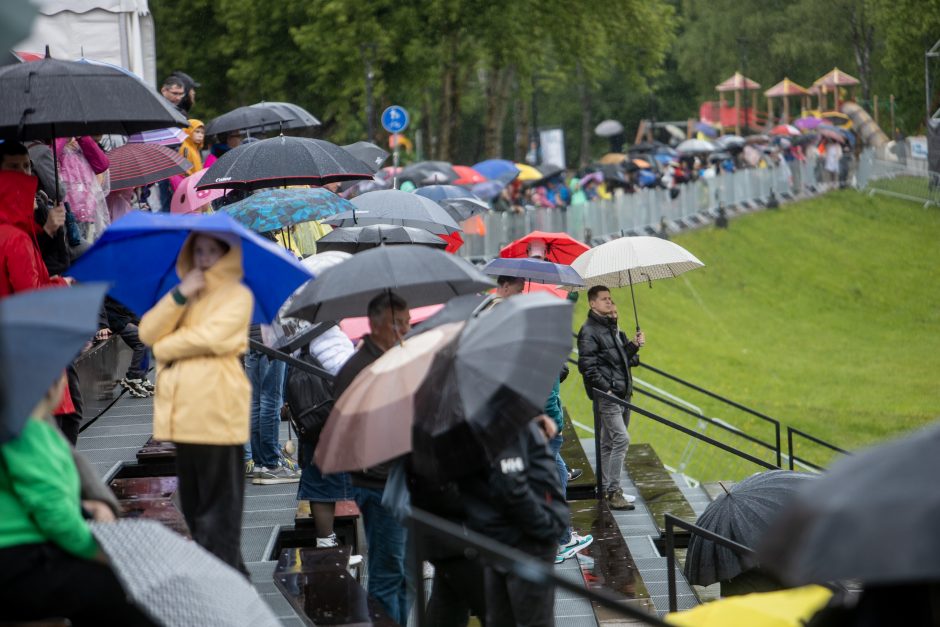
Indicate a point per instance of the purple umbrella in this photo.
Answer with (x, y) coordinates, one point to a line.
(163, 136)
(807, 123)
(596, 177)
(706, 129)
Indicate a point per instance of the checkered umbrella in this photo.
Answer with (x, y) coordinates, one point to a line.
(176, 581)
(137, 164)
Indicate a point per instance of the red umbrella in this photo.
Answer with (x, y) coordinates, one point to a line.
(468, 176)
(785, 130)
(454, 242)
(135, 165)
(559, 247)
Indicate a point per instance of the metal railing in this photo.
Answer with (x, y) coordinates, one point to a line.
(671, 522)
(908, 178)
(791, 431)
(522, 565)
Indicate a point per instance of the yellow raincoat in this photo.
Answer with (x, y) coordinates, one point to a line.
(203, 395)
(190, 149)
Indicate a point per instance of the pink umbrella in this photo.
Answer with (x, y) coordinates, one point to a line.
(186, 199)
(355, 328)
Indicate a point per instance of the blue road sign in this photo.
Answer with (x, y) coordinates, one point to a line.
(395, 119)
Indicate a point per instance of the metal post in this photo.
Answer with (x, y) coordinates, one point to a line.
(395, 154)
(790, 446)
(777, 433)
(671, 563)
(415, 565)
(599, 465)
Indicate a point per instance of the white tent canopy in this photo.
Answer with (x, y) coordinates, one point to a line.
(114, 31)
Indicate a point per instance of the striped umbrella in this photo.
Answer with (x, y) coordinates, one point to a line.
(164, 136)
(134, 165)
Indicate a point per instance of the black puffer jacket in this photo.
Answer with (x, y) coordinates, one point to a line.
(605, 357)
(518, 501)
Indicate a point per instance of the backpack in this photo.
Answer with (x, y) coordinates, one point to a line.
(309, 400)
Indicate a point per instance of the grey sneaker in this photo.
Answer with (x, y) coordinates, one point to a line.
(616, 500)
(273, 476)
(134, 388)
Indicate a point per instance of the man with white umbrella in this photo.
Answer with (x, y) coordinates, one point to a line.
(605, 357)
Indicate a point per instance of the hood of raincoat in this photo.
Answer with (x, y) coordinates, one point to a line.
(193, 125)
(17, 191)
(226, 270)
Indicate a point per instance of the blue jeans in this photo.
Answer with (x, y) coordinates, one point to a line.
(555, 445)
(267, 396)
(386, 540)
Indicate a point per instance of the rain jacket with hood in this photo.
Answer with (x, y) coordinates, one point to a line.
(203, 395)
(190, 149)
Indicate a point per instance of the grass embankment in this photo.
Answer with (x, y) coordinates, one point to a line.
(824, 314)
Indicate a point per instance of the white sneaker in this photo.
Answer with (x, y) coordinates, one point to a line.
(428, 570)
(629, 498)
(355, 560)
(327, 543)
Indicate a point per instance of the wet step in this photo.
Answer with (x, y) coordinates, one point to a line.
(655, 485)
(573, 453)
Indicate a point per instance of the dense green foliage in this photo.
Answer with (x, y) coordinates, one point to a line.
(823, 315)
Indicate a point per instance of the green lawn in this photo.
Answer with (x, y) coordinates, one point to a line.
(824, 314)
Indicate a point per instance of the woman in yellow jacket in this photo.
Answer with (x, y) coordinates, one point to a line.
(198, 333)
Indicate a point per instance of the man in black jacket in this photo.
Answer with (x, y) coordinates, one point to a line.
(605, 357)
(518, 501)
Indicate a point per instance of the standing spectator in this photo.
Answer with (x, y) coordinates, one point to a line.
(122, 321)
(389, 321)
(605, 357)
(198, 332)
(81, 161)
(833, 161)
(188, 101)
(191, 148)
(174, 90)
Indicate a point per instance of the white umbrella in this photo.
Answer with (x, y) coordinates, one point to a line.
(608, 128)
(628, 260)
(696, 146)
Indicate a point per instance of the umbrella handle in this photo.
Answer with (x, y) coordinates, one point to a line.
(636, 318)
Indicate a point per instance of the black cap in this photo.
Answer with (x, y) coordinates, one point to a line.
(186, 78)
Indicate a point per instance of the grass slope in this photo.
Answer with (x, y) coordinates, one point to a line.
(824, 314)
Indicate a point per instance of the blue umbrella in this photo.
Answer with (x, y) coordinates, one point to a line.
(41, 332)
(274, 209)
(137, 254)
(488, 190)
(499, 169)
(534, 270)
(706, 129)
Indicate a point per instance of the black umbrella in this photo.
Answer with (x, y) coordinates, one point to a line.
(243, 118)
(458, 202)
(282, 161)
(548, 171)
(37, 342)
(426, 170)
(354, 239)
(872, 516)
(393, 206)
(294, 116)
(457, 309)
(484, 387)
(420, 275)
(742, 515)
(368, 153)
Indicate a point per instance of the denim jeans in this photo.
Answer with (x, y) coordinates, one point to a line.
(555, 446)
(386, 539)
(614, 442)
(267, 396)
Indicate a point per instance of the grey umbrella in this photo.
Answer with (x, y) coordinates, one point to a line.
(873, 516)
(458, 202)
(355, 239)
(368, 153)
(176, 581)
(294, 115)
(420, 275)
(393, 206)
(743, 515)
(243, 118)
(608, 128)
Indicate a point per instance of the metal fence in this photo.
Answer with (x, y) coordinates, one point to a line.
(908, 179)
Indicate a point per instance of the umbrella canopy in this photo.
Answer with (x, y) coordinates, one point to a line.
(549, 171)
(393, 206)
(430, 172)
(498, 169)
(293, 116)
(783, 608)
(534, 270)
(528, 173)
(559, 247)
(243, 118)
(170, 136)
(368, 153)
(608, 128)
(485, 386)
(613, 158)
(420, 275)
(457, 309)
(371, 421)
(641, 163)
(99, 100)
(468, 176)
(743, 514)
(37, 342)
(807, 123)
(134, 165)
(175, 580)
(837, 118)
(273, 209)
(730, 142)
(693, 146)
(154, 240)
(188, 199)
(706, 129)
(488, 190)
(355, 239)
(459, 203)
(830, 531)
(785, 130)
(282, 161)
(737, 82)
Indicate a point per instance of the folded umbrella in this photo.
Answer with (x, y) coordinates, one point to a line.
(743, 515)
(153, 241)
(420, 275)
(273, 209)
(177, 582)
(368, 153)
(559, 247)
(243, 118)
(188, 199)
(458, 202)
(282, 161)
(484, 386)
(534, 270)
(135, 165)
(171, 136)
(37, 341)
(355, 239)
(393, 206)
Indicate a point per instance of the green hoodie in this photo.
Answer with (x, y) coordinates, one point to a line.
(553, 406)
(40, 492)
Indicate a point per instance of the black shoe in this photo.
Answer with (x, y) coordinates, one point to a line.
(574, 474)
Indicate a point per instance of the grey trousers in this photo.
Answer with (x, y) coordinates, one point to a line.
(614, 442)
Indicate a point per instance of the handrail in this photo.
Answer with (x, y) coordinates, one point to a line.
(290, 361)
(727, 401)
(522, 565)
(811, 438)
(672, 522)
